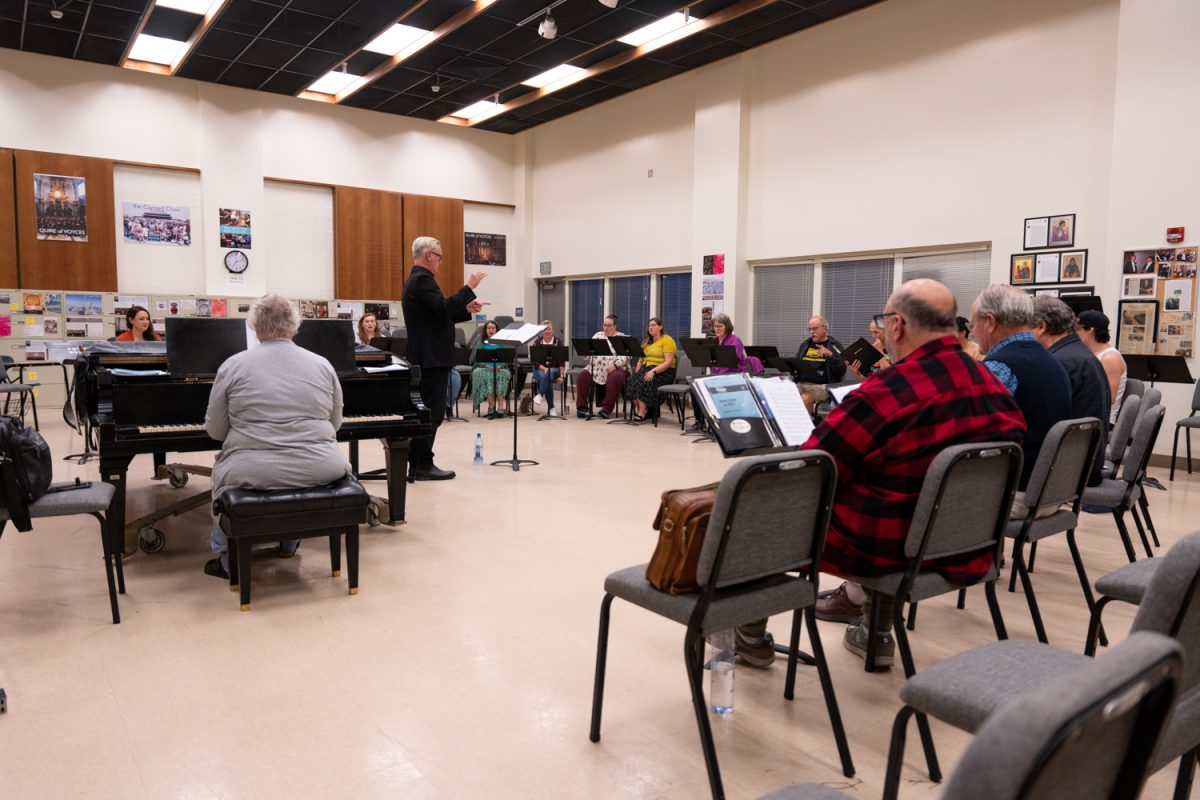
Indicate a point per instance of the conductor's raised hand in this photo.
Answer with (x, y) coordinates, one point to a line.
(475, 306)
(476, 278)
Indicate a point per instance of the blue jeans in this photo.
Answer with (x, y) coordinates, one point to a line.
(453, 387)
(219, 543)
(545, 384)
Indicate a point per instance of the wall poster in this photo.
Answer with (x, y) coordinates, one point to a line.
(60, 207)
(1168, 279)
(234, 228)
(486, 249)
(143, 223)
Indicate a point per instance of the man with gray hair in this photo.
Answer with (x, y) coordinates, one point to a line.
(275, 409)
(1002, 324)
(430, 317)
(1054, 329)
(823, 352)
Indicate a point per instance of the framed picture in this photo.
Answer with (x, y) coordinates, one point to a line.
(1074, 266)
(1137, 326)
(1021, 269)
(1139, 286)
(1047, 292)
(1046, 268)
(1037, 233)
(1075, 291)
(1062, 230)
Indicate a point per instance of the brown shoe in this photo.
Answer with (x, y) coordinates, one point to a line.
(838, 608)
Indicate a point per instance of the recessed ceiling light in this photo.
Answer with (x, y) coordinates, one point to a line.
(552, 76)
(156, 49)
(395, 39)
(671, 22)
(192, 6)
(332, 82)
(476, 109)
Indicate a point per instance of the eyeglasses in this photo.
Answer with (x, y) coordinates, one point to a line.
(880, 319)
(436, 253)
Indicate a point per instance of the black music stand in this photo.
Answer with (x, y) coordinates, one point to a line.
(707, 355)
(763, 353)
(801, 371)
(540, 354)
(1168, 369)
(510, 355)
(631, 349)
(589, 348)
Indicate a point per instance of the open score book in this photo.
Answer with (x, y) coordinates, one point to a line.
(753, 413)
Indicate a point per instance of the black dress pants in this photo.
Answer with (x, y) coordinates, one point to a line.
(433, 393)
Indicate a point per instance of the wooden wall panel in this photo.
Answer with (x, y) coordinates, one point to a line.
(442, 218)
(369, 248)
(90, 265)
(8, 222)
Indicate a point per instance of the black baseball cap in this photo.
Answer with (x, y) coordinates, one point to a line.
(1096, 320)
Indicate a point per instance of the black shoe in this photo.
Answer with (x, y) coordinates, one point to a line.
(582, 413)
(603, 414)
(432, 473)
(215, 569)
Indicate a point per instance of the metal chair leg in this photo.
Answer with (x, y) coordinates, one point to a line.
(1012, 573)
(895, 762)
(911, 623)
(106, 541)
(872, 627)
(1027, 585)
(1032, 557)
(1174, 451)
(962, 599)
(835, 716)
(789, 684)
(1083, 581)
(601, 658)
(1145, 506)
(1187, 770)
(1119, 516)
(693, 657)
(1094, 625)
(1137, 520)
(989, 590)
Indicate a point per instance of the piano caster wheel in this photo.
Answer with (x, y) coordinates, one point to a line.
(151, 540)
(372, 515)
(178, 480)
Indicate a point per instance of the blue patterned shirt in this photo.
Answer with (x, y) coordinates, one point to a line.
(1001, 371)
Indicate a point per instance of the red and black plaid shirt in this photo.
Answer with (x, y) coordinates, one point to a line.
(884, 436)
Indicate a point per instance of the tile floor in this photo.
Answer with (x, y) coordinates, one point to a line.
(464, 667)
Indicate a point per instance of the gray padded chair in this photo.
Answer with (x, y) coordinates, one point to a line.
(1121, 494)
(1088, 734)
(675, 394)
(768, 522)
(1135, 387)
(1186, 424)
(1122, 433)
(964, 690)
(93, 500)
(1058, 479)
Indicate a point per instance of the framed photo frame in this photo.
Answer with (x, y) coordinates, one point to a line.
(1037, 233)
(1074, 266)
(1020, 269)
(1070, 291)
(1049, 292)
(1062, 230)
(1139, 287)
(1047, 268)
(1137, 326)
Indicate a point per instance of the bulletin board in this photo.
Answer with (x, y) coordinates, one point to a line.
(1158, 302)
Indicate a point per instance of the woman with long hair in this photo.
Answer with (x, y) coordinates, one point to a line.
(368, 328)
(141, 329)
(656, 368)
(489, 381)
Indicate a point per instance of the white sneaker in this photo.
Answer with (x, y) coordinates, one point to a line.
(554, 412)
(538, 400)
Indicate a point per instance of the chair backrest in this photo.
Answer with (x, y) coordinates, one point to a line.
(1133, 466)
(1122, 432)
(503, 321)
(1064, 463)
(1134, 386)
(1089, 733)
(769, 517)
(965, 500)
(1151, 398)
(1171, 605)
(460, 336)
(1196, 397)
(683, 367)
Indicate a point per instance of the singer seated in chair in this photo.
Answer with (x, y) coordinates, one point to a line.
(548, 375)
(723, 330)
(856, 369)
(489, 381)
(276, 409)
(609, 371)
(140, 328)
(656, 369)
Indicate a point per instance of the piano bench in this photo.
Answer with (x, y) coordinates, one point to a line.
(250, 517)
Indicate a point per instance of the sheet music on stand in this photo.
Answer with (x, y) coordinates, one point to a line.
(750, 416)
(518, 333)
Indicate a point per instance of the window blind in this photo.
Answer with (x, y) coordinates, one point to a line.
(631, 303)
(854, 291)
(587, 307)
(675, 304)
(965, 274)
(783, 303)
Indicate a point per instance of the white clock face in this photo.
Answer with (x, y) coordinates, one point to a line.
(236, 261)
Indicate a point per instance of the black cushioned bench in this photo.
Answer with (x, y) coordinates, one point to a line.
(251, 517)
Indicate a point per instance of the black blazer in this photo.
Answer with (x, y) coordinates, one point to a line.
(430, 317)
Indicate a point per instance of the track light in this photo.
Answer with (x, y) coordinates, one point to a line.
(609, 3)
(548, 28)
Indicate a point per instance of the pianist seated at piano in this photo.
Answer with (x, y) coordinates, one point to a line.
(489, 381)
(368, 328)
(140, 328)
(276, 409)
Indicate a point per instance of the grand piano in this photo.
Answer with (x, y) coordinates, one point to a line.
(160, 413)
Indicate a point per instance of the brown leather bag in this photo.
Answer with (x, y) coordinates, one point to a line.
(681, 522)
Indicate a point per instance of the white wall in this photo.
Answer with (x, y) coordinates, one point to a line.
(504, 287)
(299, 239)
(159, 269)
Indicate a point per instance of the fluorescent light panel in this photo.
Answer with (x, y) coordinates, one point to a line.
(671, 22)
(156, 49)
(332, 82)
(476, 109)
(192, 6)
(395, 39)
(552, 76)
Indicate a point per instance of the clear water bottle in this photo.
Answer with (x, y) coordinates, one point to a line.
(479, 449)
(720, 675)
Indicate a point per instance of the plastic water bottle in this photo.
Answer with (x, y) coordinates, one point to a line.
(479, 449)
(720, 676)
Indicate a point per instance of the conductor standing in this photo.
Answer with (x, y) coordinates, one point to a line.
(430, 317)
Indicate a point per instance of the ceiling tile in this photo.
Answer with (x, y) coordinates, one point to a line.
(202, 68)
(245, 75)
(367, 97)
(264, 53)
(286, 83)
(101, 50)
(51, 41)
(433, 14)
(112, 22)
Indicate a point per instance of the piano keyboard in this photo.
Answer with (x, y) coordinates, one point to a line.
(152, 430)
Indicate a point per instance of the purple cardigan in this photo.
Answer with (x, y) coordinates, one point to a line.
(745, 363)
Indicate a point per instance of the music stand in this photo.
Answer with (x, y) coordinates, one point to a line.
(511, 355)
(801, 371)
(1168, 369)
(541, 354)
(707, 355)
(590, 348)
(762, 352)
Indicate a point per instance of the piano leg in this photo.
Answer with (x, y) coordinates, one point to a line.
(114, 470)
(396, 457)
